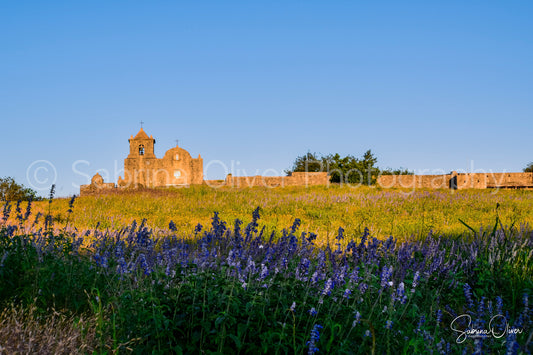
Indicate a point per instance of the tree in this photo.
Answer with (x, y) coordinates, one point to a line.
(343, 169)
(368, 168)
(346, 169)
(11, 191)
(309, 162)
(529, 168)
(400, 171)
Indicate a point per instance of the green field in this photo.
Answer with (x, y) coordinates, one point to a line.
(322, 210)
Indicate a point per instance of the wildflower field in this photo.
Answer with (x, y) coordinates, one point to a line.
(269, 271)
(322, 210)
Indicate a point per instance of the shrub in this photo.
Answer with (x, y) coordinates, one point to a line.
(11, 191)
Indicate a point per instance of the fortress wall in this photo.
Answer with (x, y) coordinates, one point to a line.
(509, 180)
(415, 181)
(462, 181)
(296, 179)
(434, 181)
(252, 181)
(494, 180)
(94, 189)
(308, 179)
(471, 181)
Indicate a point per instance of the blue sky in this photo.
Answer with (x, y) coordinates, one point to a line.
(426, 85)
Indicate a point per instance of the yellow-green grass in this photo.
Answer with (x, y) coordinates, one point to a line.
(322, 210)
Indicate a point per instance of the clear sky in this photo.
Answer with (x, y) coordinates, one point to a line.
(250, 85)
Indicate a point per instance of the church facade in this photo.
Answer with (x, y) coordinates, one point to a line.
(143, 169)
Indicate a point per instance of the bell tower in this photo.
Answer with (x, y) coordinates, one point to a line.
(140, 163)
(141, 146)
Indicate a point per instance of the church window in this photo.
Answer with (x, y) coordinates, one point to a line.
(177, 173)
(177, 157)
(141, 149)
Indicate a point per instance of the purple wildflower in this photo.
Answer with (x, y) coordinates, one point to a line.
(327, 288)
(468, 295)
(416, 278)
(357, 319)
(386, 274)
(399, 295)
(438, 315)
(440, 346)
(347, 293)
(315, 336)
(499, 305)
(264, 272)
(420, 324)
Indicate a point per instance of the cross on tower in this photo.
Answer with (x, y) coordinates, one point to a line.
(177, 140)
(142, 124)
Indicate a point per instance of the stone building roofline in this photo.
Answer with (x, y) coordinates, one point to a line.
(97, 179)
(141, 135)
(177, 150)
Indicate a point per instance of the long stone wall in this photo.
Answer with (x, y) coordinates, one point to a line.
(510, 180)
(415, 181)
(458, 181)
(296, 179)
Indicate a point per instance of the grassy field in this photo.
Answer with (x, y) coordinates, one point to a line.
(322, 210)
(320, 270)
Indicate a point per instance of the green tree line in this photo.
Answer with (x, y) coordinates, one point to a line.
(347, 169)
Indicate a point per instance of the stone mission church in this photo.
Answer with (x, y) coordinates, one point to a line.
(143, 169)
(177, 168)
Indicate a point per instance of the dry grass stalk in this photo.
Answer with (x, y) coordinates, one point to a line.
(24, 331)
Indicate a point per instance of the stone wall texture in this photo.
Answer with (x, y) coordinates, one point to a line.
(296, 179)
(458, 181)
(414, 181)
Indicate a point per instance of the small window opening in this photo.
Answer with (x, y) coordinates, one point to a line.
(177, 157)
(141, 149)
(177, 173)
